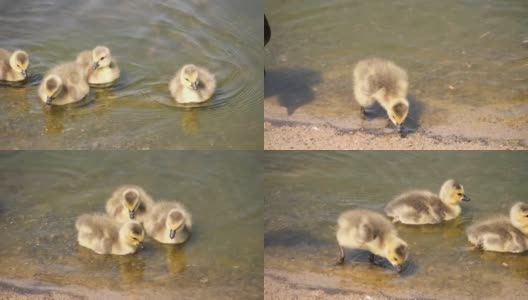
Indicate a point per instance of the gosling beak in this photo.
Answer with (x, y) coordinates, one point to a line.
(24, 73)
(466, 198)
(172, 234)
(399, 127)
(131, 214)
(96, 65)
(194, 85)
(141, 246)
(48, 100)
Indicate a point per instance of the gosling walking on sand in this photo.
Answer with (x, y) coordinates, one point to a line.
(381, 80)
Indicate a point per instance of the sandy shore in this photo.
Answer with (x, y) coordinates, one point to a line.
(279, 285)
(279, 135)
(22, 289)
(313, 127)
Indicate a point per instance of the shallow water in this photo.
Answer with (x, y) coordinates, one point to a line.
(456, 52)
(306, 191)
(43, 193)
(150, 40)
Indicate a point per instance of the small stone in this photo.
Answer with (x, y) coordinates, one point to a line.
(204, 280)
(504, 264)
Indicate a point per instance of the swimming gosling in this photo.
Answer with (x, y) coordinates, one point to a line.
(13, 66)
(502, 234)
(368, 230)
(64, 84)
(424, 207)
(129, 202)
(192, 84)
(169, 223)
(103, 235)
(100, 66)
(381, 80)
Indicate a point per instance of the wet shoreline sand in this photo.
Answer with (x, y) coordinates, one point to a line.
(309, 132)
(16, 289)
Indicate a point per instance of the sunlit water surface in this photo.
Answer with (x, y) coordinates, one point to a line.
(43, 193)
(150, 40)
(306, 191)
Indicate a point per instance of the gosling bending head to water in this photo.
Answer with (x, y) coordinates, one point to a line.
(129, 202)
(99, 65)
(13, 66)
(169, 222)
(368, 230)
(502, 234)
(383, 81)
(64, 84)
(103, 235)
(192, 84)
(424, 207)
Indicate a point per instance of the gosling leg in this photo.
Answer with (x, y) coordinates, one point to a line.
(341, 258)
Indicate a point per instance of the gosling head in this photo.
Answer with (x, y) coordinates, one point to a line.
(452, 192)
(131, 201)
(133, 233)
(101, 56)
(398, 112)
(53, 86)
(190, 77)
(19, 61)
(175, 222)
(519, 214)
(397, 252)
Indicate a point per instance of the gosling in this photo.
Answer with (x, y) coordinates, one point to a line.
(192, 84)
(169, 223)
(103, 235)
(424, 207)
(368, 230)
(129, 202)
(502, 234)
(99, 65)
(64, 84)
(13, 66)
(380, 80)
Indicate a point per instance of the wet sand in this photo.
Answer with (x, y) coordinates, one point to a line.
(486, 128)
(279, 284)
(11, 289)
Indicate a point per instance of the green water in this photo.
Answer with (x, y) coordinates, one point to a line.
(43, 192)
(306, 191)
(473, 46)
(150, 40)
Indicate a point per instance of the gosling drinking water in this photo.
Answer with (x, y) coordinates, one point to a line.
(13, 66)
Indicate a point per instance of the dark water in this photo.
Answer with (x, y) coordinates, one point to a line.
(43, 193)
(466, 53)
(306, 191)
(150, 40)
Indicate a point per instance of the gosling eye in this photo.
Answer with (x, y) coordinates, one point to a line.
(102, 58)
(135, 239)
(187, 79)
(395, 258)
(460, 194)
